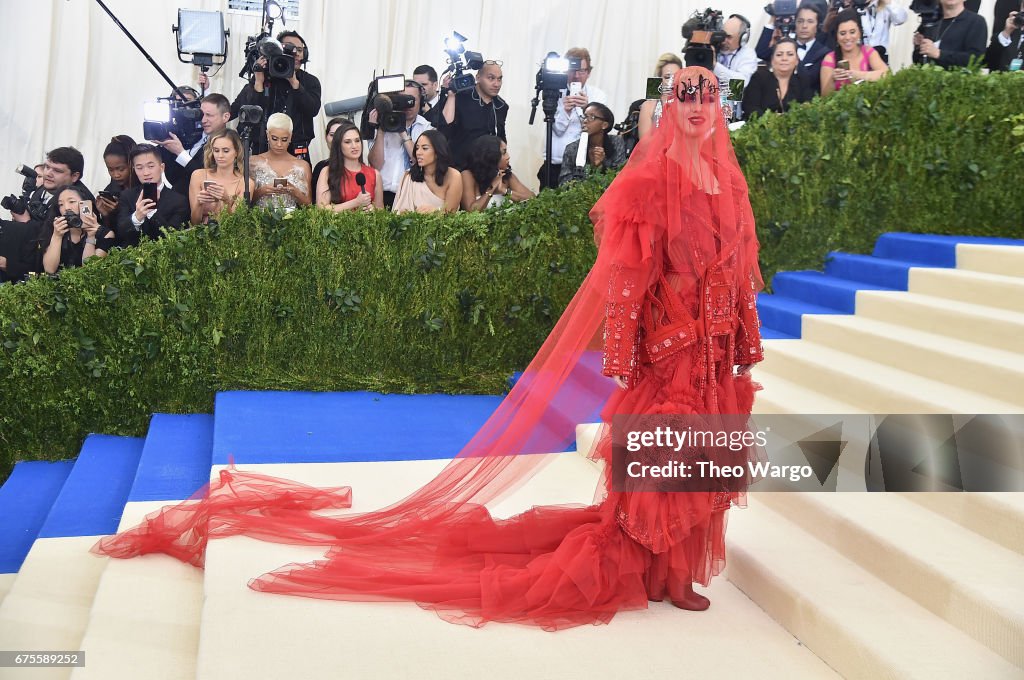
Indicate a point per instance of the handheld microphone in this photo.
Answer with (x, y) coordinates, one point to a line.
(361, 181)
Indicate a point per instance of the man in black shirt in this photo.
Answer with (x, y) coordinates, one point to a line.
(299, 97)
(475, 113)
(961, 35)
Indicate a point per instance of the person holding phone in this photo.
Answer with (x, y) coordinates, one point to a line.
(221, 182)
(568, 124)
(72, 233)
(867, 64)
(280, 179)
(150, 207)
(488, 179)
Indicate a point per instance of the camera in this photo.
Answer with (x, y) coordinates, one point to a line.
(73, 219)
(784, 13)
(280, 58)
(460, 60)
(25, 203)
(554, 72)
(704, 34)
(167, 115)
(1018, 20)
(861, 6)
(386, 95)
(930, 12)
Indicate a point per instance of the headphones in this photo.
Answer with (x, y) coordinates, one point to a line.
(292, 34)
(745, 35)
(423, 95)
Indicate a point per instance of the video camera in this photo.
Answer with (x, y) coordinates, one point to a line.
(386, 95)
(280, 58)
(25, 203)
(170, 114)
(704, 34)
(930, 12)
(861, 6)
(459, 61)
(784, 13)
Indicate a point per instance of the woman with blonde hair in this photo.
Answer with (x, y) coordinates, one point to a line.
(221, 182)
(281, 179)
(650, 111)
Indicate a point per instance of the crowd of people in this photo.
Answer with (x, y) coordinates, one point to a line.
(451, 151)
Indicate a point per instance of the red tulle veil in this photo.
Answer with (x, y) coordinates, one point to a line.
(679, 205)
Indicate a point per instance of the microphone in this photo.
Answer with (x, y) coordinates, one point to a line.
(343, 106)
(361, 181)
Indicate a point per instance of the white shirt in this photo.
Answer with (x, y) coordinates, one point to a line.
(568, 126)
(739, 64)
(396, 159)
(876, 24)
(186, 156)
(164, 184)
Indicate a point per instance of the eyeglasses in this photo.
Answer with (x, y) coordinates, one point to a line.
(583, 70)
(589, 117)
(494, 62)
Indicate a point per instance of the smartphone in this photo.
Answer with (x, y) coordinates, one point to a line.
(280, 182)
(843, 64)
(107, 195)
(653, 88)
(149, 191)
(85, 208)
(574, 88)
(209, 183)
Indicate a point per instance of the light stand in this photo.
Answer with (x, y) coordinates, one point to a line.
(250, 119)
(552, 81)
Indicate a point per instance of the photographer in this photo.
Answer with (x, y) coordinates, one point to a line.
(392, 152)
(216, 112)
(811, 48)
(72, 234)
(569, 115)
(298, 97)
(959, 37)
(64, 166)
(736, 58)
(1006, 53)
(173, 153)
(433, 96)
(475, 113)
(137, 213)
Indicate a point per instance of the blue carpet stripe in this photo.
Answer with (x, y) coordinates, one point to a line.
(308, 427)
(834, 291)
(25, 501)
(93, 497)
(176, 457)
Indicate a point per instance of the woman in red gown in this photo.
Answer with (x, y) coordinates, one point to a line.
(671, 301)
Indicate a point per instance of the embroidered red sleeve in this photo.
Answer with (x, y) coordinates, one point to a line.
(748, 331)
(622, 322)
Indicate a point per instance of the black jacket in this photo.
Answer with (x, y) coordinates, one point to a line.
(302, 105)
(473, 119)
(997, 57)
(962, 38)
(172, 211)
(761, 94)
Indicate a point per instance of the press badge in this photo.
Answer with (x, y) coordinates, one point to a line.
(1016, 64)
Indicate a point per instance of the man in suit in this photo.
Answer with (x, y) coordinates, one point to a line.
(811, 46)
(139, 216)
(1007, 45)
(216, 112)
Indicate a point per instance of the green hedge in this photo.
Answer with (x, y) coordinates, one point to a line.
(924, 150)
(325, 301)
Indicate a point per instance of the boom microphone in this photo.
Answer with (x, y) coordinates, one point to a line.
(343, 106)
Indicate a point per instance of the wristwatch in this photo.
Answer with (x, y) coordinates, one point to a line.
(90, 241)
